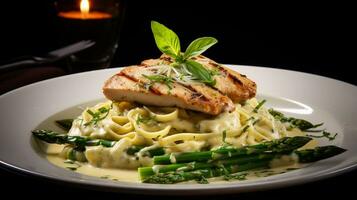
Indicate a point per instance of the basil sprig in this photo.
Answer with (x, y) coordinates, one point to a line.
(166, 40)
(169, 43)
(200, 72)
(160, 79)
(198, 46)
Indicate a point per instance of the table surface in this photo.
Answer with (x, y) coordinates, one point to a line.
(34, 186)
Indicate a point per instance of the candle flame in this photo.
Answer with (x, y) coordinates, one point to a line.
(84, 6)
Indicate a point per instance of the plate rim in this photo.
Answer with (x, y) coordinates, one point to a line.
(150, 189)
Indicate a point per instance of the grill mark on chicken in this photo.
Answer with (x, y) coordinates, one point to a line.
(167, 59)
(195, 93)
(153, 90)
(235, 79)
(221, 69)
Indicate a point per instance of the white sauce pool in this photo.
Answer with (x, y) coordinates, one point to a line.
(52, 152)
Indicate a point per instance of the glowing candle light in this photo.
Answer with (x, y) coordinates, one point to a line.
(85, 12)
(84, 6)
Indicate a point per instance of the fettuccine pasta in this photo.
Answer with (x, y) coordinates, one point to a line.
(174, 129)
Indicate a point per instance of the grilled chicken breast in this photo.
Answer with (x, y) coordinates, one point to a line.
(132, 84)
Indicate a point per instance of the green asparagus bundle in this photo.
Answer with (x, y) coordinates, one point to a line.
(80, 142)
(224, 161)
(200, 170)
(196, 165)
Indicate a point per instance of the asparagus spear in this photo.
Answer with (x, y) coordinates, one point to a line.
(319, 153)
(201, 175)
(80, 142)
(283, 145)
(299, 123)
(173, 173)
(151, 152)
(191, 166)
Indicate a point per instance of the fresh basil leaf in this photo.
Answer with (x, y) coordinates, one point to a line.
(198, 46)
(201, 73)
(166, 40)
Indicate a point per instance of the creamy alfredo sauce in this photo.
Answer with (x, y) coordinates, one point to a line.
(52, 152)
(132, 175)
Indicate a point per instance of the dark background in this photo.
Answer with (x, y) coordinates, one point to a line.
(314, 38)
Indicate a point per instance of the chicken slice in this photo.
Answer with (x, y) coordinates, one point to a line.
(132, 85)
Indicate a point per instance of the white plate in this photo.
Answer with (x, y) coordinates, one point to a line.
(312, 97)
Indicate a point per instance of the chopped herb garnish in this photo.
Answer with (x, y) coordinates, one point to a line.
(72, 155)
(250, 118)
(224, 135)
(294, 122)
(215, 72)
(72, 164)
(159, 79)
(325, 134)
(256, 121)
(101, 114)
(148, 120)
(278, 115)
(238, 176)
(303, 124)
(69, 162)
(259, 105)
(245, 128)
(134, 149)
(315, 131)
(202, 180)
(72, 168)
(81, 120)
